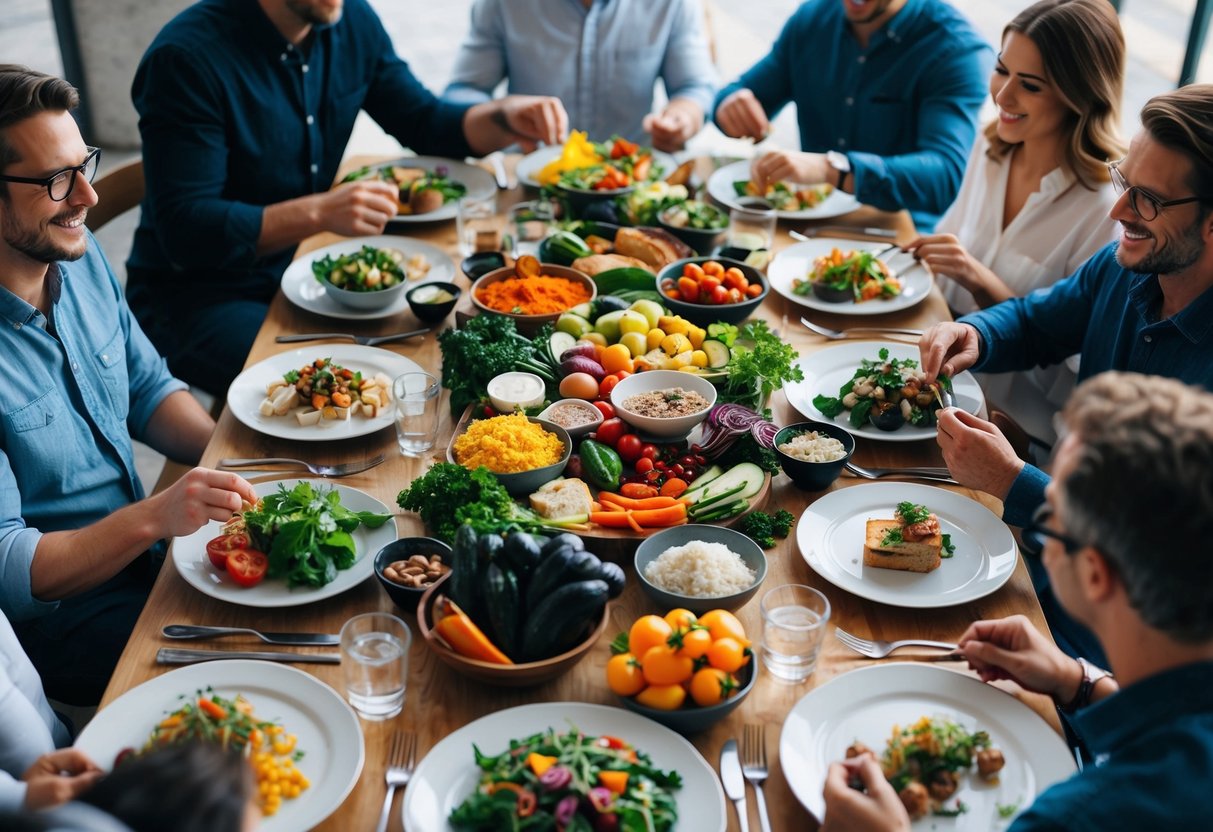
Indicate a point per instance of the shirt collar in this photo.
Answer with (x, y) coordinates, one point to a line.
(17, 313)
(260, 29)
(1194, 322)
(1131, 713)
(901, 25)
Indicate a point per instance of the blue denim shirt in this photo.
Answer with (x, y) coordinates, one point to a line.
(87, 385)
(234, 118)
(1153, 748)
(601, 62)
(903, 110)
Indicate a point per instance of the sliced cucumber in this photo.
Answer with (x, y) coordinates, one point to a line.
(703, 479)
(717, 352)
(746, 472)
(558, 342)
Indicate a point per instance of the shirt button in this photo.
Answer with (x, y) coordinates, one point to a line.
(850, 102)
(1149, 339)
(75, 366)
(305, 67)
(315, 168)
(311, 120)
(290, 47)
(17, 325)
(105, 357)
(282, 57)
(842, 142)
(863, 59)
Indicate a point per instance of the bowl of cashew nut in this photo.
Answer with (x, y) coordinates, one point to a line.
(407, 567)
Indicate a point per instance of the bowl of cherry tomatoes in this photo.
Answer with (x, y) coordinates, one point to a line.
(683, 671)
(705, 290)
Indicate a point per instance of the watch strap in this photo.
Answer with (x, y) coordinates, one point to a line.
(1082, 697)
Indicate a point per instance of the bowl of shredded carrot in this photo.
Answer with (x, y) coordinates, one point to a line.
(532, 294)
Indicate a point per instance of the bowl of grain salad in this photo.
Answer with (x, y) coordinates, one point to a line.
(700, 567)
(813, 454)
(523, 452)
(665, 404)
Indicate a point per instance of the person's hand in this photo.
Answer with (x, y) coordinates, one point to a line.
(535, 118)
(948, 349)
(976, 453)
(946, 256)
(198, 497)
(849, 810)
(358, 209)
(58, 777)
(1011, 648)
(788, 166)
(741, 116)
(674, 127)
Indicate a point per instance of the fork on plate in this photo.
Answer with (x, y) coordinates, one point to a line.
(754, 768)
(401, 760)
(361, 340)
(941, 474)
(344, 469)
(880, 649)
(838, 335)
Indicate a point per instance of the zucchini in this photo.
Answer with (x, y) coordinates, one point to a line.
(501, 607)
(462, 584)
(521, 552)
(746, 472)
(612, 574)
(706, 477)
(717, 352)
(554, 543)
(562, 248)
(607, 303)
(488, 548)
(560, 621)
(563, 566)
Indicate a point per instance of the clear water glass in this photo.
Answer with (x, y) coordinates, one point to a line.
(415, 399)
(527, 223)
(752, 224)
(478, 226)
(794, 619)
(375, 664)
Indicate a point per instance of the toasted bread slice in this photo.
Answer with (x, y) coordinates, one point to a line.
(562, 498)
(911, 556)
(922, 562)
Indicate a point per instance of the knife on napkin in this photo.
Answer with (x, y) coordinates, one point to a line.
(173, 655)
(734, 783)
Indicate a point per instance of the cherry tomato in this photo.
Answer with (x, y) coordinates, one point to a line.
(753, 290)
(629, 447)
(711, 686)
(713, 268)
(662, 666)
(219, 548)
(624, 676)
(735, 278)
(606, 409)
(694, 271)
(680, 619)
(662, 697)
(607, 385)
(695, 643)
(649, 452)
(723, 624)
(688, 289)
(647, 631)
(720, 295)
(609, 432)
(644, 465)
(727, 654)
(247, 566)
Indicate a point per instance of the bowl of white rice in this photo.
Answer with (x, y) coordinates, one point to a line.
(700, 568)
(813, 454)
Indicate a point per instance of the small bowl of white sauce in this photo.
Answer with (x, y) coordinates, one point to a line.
(511, 391)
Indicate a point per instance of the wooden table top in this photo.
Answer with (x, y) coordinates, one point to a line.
(440, 701)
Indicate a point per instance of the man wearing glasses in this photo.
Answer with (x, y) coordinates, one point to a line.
(1144, 303)
(76, 534)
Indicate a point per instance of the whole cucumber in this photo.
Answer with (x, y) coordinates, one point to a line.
(563, 566)
(501, 607)
(462, 584)
(560, 620)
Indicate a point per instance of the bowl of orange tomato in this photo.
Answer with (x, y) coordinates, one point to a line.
(662, 682)
(705, 290)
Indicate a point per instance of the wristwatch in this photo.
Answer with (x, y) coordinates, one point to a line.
(1090, 676)
(839, 162)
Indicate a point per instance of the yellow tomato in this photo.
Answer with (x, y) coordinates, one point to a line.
(693, 643)
(727, 654)
(616, 357)
(680, 619)
(711, 686)
(662, 697)
(662, 666)
(624, 675)
(648, 631)
(723, 624)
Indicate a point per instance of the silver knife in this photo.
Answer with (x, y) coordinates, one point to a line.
(362, 340)
(294, 639)
(734, 783)
(173, 655)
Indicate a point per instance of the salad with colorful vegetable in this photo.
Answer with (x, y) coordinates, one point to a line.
(369, 269)
(889, 393)
(607, 166)
(421, 190)
(787, 196)
(571, 782)
(854, 276)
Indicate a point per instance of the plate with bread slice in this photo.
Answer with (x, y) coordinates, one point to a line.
(906, 545)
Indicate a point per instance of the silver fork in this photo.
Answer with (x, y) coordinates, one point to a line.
(754, 768)
(401, 760)
(342, 470)
(941, 474)
(880, 649)
(362, 340)
(838, 335)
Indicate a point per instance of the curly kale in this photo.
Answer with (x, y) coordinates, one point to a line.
(764, 528)
(485, 346)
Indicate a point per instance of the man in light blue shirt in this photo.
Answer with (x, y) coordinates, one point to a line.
(601, 58)
(84, 379)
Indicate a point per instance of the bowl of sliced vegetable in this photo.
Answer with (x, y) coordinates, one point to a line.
(699, 225)
(707, 290)
(370, 278)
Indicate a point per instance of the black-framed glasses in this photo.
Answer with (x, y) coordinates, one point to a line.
(59, 185)
(1039, 526)
(1144, 205)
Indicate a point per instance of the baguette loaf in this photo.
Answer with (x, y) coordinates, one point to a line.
(599, 263)
(910, 556)
(654, 246)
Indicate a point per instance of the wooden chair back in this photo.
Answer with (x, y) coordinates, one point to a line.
(118, 191)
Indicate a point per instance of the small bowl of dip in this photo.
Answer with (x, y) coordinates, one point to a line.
(510, 391)
(431, 302)
(577, 416)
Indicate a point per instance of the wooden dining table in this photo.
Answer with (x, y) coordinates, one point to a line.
(439, 700)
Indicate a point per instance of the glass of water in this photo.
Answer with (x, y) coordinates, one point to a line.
(794, 619)
(477, 225)
(752, 224)
(375, 664)
(415, 397)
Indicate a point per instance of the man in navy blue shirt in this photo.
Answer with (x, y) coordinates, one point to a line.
(1124, 526)
(245, 111)
(886, 93)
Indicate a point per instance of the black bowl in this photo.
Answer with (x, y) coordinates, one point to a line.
(702, 314)
(406, 597)
(481, 263)
(813, 476)
(592, 205)
(433, 312)
(703, 240)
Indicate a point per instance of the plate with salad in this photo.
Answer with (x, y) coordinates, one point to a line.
(309, 540)
(421, 262)
(458, 787)
(530, 165)
(730, 183)
(328, 739)
(847, 384)
(808, 273)
(868, 704)
(430, 187)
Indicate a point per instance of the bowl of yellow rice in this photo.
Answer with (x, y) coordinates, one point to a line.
(523, 452)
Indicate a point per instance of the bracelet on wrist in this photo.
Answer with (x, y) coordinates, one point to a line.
(1082, 697)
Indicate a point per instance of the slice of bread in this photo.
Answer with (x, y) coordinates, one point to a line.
(918, 556)
(599, 263)
(656, 247)
(562, 498)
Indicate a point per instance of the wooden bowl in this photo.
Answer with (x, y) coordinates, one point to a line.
(530, 324)
(522, 675)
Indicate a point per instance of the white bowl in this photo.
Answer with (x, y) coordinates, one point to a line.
(651, 380)
(510, 391)
(581, 404)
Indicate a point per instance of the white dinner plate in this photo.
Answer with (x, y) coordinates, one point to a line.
(865, 704)
(190, 558)
(327, 730)
(302, 288)
(826, 370)
(478, 181)
(247, 392)
(530, 165)
(720, 187)
(795, 262)
(831, 533)
(448, 774)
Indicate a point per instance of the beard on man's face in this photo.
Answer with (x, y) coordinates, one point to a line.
(316, 12)
(36, 243)
(1182, 251)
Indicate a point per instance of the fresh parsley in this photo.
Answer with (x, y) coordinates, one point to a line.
(892, 537)
(764, 528)
(911, 513)
(949, 548)
(756, 372)
(1006, 811)
(449, 495)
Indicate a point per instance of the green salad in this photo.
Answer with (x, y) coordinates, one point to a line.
(411, 182)
(568, 781)
(887, 392)
(369, 269)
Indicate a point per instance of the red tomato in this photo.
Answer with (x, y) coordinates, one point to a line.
(219, 548)
(720, 295)
(247, 566)
(644, 465)
(649, 452)
(629, 447)
(607, 385)
(608, 432)
(606, 409)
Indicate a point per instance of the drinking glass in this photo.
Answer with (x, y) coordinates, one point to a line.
(477, 225)
(416, 402)
(794, 619)
(526, 224)
(752, 224)
(375, 664)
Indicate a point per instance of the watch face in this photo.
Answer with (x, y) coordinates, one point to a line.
(838, 161)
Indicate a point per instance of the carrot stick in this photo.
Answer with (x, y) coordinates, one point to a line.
(631, 502)
(646, 518)
(636, 527)
(211, 709)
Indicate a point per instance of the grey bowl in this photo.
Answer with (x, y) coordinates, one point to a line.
(703, 240)
(378, 299)
(526, 482)
(702, 314)
(653, 546)
(433, 312)
(406, 597)
(691, 719)
(813, 476)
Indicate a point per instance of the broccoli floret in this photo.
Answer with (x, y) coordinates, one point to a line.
(764, 528)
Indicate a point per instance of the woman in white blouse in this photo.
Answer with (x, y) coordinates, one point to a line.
(1036, 194)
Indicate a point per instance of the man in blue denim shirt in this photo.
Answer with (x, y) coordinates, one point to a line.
(1144, 303)
(1124, 525)
(83, 379)
(890, 88)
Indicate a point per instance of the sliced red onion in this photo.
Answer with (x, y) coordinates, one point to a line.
(601, 798)
(555, 778)
(565, 809)
(764, 433)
